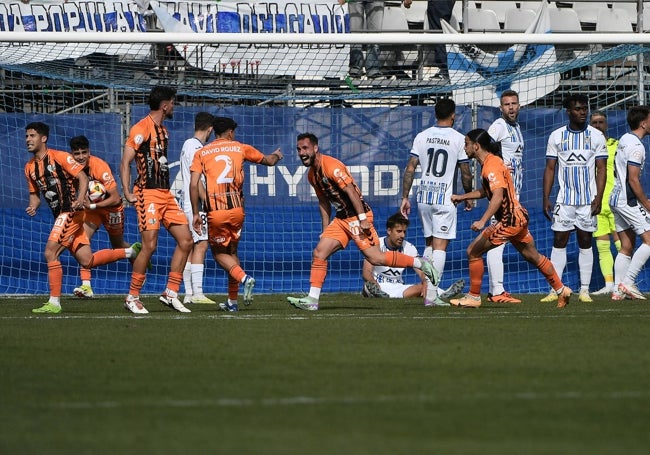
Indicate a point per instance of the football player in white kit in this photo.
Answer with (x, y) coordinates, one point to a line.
(193, 273)
(385, 281)
(580, 153)
(506, 130)
(438, 150)
(630, 205)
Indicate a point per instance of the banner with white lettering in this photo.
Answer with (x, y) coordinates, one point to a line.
(116, 16)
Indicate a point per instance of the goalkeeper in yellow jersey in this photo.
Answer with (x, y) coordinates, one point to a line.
(605, 218)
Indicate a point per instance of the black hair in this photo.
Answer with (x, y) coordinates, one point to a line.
(573, 98)
(483, 138)
(396, 218)
(311, 136)
(159, 94)
(40, 127)
(445, 108)
(203, 121)
(79, 143)
(223, 124)
(636, 115)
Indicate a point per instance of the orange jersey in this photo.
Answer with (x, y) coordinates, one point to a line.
(53, 176)
(495, 175)
(98, 169)
(222, 163)
(329, 179)
(150, 141)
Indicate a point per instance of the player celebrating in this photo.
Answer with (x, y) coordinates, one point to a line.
(222, 164)
(438, 150)
(334, 186)
(154, 203)
(193, 273)
(631, 205)
(382, 281)
(507, 131)
(108, 211)
(511, 217)
(52, 173)
(578, 149)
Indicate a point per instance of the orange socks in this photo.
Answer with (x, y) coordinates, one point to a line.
(476, 270)
(106, 256)
(237, 273)
(318, 273)
(546, 267)
(396, 259)
(55, 278)
(137, 280)
(174, 281)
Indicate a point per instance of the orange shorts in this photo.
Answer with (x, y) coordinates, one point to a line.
(348, 229)
(112, 218)
(157, 206)
(498, 234)
(224, 226)
(68, 230)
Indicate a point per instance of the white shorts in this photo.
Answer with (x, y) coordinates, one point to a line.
(204, 223)
(627, 217)
(438, 220)
(394, 290)
(569, 217)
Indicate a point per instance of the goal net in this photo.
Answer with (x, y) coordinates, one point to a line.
(280, 69)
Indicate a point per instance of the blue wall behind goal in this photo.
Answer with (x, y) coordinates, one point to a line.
(282, 219)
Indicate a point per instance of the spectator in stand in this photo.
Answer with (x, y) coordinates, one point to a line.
(366, 16)
(437, 10)
(605, 219)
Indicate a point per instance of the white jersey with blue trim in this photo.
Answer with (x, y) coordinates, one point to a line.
(190, 147)
(439, 149)
(385, 274)
(576, 153)
(512, 148)
(630, 152)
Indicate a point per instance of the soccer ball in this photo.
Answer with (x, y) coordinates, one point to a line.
(96, 191)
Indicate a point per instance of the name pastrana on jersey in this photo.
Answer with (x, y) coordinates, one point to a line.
(630, 152)
(385, 274)
(576, 153)
(439, 150)
(512, 148)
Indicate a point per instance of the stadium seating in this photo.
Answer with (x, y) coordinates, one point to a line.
(482, 20)
(518, 19)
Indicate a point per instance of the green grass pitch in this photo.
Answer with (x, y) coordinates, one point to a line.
(360, 376)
